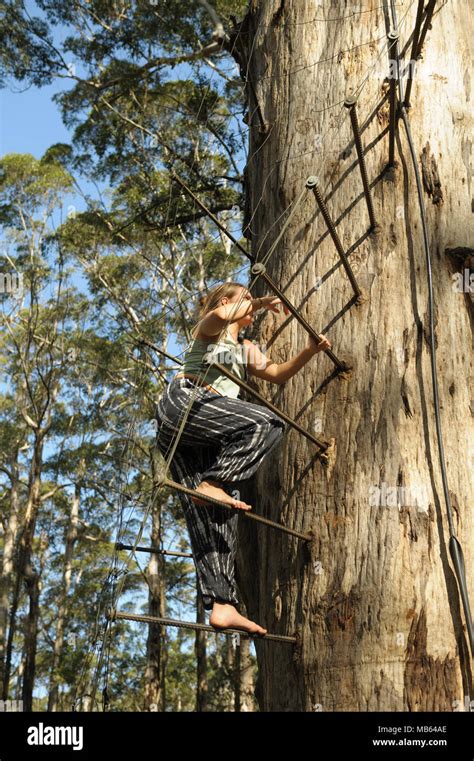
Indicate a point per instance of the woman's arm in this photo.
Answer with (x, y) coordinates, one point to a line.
(259, 365)
(215, 320)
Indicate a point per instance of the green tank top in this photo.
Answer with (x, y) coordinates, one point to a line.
(227, 352)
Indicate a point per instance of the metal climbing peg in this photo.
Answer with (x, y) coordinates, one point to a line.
(245, 513)
(212, 216)
(414, 52)
(259, 270)
(427, 25)
(312, 183)
(351, 104)
(393, 78)
(418, 42)
(152, 550)
(112, 615)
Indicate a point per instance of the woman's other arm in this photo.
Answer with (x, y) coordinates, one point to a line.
(258, 364)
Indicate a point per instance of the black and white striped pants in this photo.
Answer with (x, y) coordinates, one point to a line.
(226, 440)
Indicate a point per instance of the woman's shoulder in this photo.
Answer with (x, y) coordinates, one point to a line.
(205, 339)
(198, 335)
(222, 337)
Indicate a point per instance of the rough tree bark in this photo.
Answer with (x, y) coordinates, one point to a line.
(373, 596)
(244, 678)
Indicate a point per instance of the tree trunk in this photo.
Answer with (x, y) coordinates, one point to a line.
(30, 576)
(31, 630)
(153, 695)
(69, 543)
(25, 573)
(245, 674)
(6, 577)
(201, 658)
(373, 596)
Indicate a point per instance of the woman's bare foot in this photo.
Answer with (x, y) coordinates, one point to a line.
(213, 489)
(225, 616)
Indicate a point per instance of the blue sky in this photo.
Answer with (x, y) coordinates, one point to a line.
(30, 121)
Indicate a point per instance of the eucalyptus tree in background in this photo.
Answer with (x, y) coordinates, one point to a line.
(30, 191)
(58, 375)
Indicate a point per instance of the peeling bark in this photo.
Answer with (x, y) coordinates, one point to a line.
(430, 175)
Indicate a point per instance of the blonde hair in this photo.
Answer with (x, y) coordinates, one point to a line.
(210, 300)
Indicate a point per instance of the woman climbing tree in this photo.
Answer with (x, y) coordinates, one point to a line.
(225, 439)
